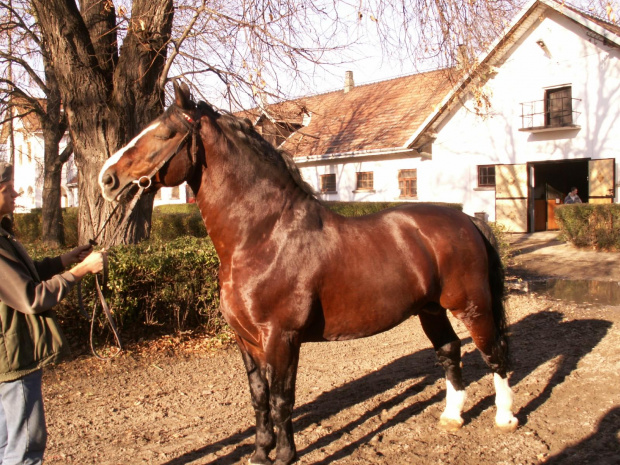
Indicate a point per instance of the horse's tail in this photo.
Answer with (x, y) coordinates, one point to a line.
(497, 287)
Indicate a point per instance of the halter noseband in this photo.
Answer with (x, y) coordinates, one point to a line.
(145, 181)
(192, 126)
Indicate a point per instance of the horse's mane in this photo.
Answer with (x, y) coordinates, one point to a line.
(243, 131)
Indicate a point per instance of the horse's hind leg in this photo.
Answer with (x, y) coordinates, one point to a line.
(447, 346)
(479, 320)
(259, 390)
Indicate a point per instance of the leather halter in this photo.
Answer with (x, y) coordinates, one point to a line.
(145, 181)
(192, 127)
(192, 130)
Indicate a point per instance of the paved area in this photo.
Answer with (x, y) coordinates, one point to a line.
(542, 254)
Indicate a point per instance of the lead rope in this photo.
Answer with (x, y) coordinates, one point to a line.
(143, 183)
(101, 286)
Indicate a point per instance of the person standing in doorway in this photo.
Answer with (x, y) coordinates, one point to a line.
(572, 196)
(30, 336)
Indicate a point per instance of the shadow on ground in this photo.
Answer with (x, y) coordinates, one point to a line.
(532, 347)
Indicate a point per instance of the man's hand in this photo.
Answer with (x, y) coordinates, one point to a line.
(93, 263)
(77, 255)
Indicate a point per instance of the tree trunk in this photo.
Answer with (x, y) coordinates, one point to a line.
(52, 229)
(107, 99)
(54, 126)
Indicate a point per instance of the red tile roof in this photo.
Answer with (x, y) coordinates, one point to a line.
(374, 116)
(29, 119)
(612, 27)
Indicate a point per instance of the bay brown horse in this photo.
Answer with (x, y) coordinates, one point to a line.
(293, 271)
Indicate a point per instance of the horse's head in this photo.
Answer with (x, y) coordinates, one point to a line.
(163, 154)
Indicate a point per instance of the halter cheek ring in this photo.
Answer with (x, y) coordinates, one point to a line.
(144, 182)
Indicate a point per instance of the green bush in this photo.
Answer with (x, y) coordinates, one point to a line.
(365, 208)
(27, 226)
(590, 225)
(70, 222)
(168, 222)
(499, 230)
(167, 286)
(171, 221)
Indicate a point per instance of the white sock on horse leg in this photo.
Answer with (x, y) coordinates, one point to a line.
(504, 397)
(455, 400)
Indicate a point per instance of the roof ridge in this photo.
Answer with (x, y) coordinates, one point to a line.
(364, 84)
(591, 14)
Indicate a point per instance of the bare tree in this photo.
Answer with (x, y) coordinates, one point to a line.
(24, 50)
(108, 92)
(112, 59)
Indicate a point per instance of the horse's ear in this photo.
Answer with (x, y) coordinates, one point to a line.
(182, 96)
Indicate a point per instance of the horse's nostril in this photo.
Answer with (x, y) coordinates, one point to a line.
(108, 180)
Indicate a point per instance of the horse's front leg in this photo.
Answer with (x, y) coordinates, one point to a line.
(259, 390)
(282, 355)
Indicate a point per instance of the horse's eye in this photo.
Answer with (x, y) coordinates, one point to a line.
(165, 134)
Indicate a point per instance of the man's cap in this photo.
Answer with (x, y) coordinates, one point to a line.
(6, 172)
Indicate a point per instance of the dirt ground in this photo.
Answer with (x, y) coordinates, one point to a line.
(369, 401)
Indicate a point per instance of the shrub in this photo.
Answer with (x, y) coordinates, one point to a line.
(590, 225)
(365, 208)
(27, 226)
(168, 222)
(171, 221)
(70, 223)
(499, 230)
(157, 286)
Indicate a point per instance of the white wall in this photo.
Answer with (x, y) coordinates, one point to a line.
(168, 195)
(385, 178)
(466, 140)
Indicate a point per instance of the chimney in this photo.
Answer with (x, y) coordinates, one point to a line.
(348, 81)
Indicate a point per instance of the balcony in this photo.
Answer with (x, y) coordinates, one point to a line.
(557, 114)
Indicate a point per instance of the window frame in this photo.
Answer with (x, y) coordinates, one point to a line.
(563, 116)
(486, 175)
(403, 179)
(360, 181)
(326, 186)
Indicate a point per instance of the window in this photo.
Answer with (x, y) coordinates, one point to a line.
(328, 183)
(486, 176)
(365, 181)
(408, 183)
(558, 107)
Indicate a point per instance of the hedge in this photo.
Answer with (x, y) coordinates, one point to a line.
(155, 286)
(168, 222)
(590, 225)
(172, 221)
(164, 285)
(365, 208)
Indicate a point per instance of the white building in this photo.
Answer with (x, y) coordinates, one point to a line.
(552, 85)
(28, 164)
(28, 169)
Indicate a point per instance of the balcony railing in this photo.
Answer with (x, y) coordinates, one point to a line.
(537, 116)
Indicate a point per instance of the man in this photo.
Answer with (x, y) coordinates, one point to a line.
(30, 336)
(572, 196)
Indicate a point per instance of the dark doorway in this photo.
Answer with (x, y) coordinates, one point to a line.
(551, 184)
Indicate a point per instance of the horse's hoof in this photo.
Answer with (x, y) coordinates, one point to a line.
(255, 461)
(508, 427)
(450, 424)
